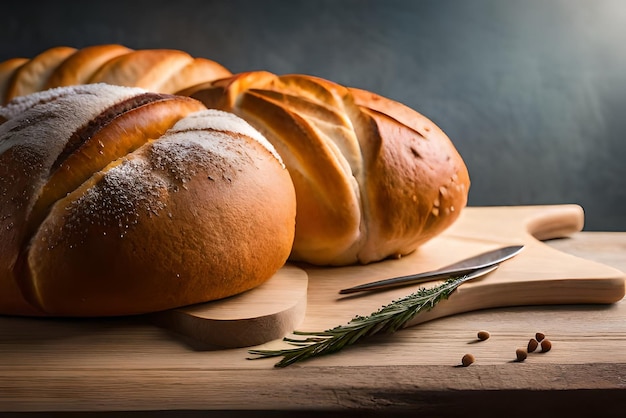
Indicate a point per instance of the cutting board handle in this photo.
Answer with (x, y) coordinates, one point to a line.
(552, 222)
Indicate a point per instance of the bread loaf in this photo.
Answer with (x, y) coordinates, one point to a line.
(32, 75)
(118, 201)
(7, 69)
(158, 70)
(374, 179)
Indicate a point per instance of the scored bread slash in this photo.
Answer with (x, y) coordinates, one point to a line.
(375, 179)
(115, 133)
(112, 211)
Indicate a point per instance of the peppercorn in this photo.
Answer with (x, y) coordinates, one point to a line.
(483, 335)
(546, 345)
(467, 359)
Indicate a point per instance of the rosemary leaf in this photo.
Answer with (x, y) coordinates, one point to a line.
(387, 319)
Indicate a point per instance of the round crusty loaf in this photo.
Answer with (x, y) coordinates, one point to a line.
(118, 201)
(158, 70)
(373, 178)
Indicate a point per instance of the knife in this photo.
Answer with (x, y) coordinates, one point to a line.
(460, 268)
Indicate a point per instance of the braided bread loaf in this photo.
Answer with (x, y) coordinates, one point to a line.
(157, 70)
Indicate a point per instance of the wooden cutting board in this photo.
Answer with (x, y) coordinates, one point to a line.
(263, 314)
(307, 298)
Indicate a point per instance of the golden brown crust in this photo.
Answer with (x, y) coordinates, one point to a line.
(7, 70)
(416, 187)
(145, 68)
(428, 173)
(329, 213)
(203, 211)
(224, 230)
(111, 140)
(27, 152)
(33, 75)
(79, 67)
(223, 93)
(197, 71)
(158, 70)
(373, 178)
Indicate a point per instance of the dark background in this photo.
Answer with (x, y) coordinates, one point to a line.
(532, 92)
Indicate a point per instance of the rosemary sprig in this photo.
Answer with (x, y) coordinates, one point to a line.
(387, 319)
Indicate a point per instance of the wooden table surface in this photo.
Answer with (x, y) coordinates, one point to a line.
(73, 366)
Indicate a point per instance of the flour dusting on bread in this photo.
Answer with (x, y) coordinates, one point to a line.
(226, 122)
(79, 94)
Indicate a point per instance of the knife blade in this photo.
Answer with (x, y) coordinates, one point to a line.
(459, 268)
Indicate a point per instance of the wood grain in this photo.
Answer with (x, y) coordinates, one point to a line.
(263, 314)
(540, 275)
(128, 364)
